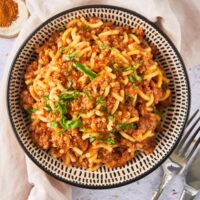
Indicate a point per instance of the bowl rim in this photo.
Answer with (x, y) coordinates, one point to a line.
(158, 164)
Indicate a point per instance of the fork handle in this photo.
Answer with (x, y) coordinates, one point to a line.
(188, 193)
(165, 180)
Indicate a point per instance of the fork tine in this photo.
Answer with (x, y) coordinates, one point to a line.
(184, 149)
(187, 135)
(194, 147)
(192, 117)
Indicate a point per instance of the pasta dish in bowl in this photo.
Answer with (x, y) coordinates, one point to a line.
(98, 96)
(93, 94)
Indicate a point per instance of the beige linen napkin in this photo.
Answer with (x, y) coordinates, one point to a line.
(20, 179)
(188, 15)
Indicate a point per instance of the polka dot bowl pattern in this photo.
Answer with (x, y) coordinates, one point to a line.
(173, 121)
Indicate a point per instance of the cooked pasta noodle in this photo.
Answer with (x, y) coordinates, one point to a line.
(94, 94)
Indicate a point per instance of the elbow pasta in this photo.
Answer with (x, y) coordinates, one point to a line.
(94, 94)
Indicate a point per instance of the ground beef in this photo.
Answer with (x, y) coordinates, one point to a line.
(27, 100)
(157, 92)
(116, 159)
(78, 142)
(40, 134)
(31, 69)
(149, 122)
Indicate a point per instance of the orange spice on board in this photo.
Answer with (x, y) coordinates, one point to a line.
(8, 12)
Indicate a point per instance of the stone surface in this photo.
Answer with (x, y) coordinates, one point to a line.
(144, 188)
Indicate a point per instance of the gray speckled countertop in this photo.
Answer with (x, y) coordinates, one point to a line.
(144, 188)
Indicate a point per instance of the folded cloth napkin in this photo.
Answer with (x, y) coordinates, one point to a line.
(21, 179)
(188, 15)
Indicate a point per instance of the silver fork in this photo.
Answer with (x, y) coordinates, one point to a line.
(181, 156)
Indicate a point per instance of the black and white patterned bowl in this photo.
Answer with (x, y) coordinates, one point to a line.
(173, 122)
